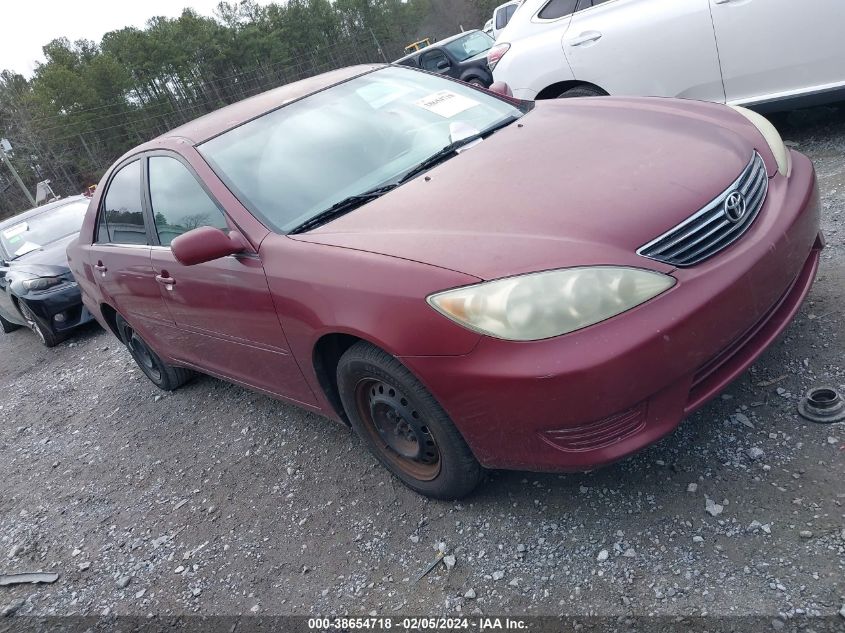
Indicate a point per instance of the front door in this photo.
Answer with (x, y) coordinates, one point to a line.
(662, 48)
(774, 48)
(224, 313)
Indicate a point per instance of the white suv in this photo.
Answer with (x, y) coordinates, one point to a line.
(749, 52)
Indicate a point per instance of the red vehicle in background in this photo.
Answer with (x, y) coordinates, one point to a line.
(318, 243)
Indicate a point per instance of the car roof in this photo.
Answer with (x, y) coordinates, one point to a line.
(24, 215)
(228, 117)
(443, 42)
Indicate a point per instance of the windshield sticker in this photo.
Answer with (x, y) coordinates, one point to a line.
(27, 247)
(9, 233)
(446, 103)
(15, 239)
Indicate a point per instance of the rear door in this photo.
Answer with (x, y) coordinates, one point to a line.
(224, 313)
(644, 47)
(776, 48)
(120, 255)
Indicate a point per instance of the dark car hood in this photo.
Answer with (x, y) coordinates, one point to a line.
(48, 261)
(584, 181)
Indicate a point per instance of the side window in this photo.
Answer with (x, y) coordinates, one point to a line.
(501, 19)
(179, 202)
(431, 60)
(509, 13)
(557, 9)
(122, 216)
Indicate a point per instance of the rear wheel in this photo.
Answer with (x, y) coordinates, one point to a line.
(163, 376)
(403, 425)
(582, 91)
(47, 337)
(477, 82)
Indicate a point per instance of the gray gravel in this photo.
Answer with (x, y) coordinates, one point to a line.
(216, 500)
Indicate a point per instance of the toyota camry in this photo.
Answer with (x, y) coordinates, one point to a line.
(321, 243)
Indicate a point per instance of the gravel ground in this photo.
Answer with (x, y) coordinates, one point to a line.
(215, 500)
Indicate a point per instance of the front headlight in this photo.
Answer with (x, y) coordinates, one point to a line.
(42, 283)
(772, 136)
(547, 304)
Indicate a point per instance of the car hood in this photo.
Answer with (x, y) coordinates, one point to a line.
(579, 182)
(48, 261)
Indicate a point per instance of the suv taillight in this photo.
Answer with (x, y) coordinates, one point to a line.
(495, 54)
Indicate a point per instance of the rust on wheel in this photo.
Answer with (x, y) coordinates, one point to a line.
(397, 429)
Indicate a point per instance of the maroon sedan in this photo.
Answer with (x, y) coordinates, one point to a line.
(470, 281)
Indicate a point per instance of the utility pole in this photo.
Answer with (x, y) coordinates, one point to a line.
(15, 174)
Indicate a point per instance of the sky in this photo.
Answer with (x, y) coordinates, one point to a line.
(27, 25)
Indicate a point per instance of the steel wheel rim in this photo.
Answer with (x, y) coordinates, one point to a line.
(398, 429)
(142, 354)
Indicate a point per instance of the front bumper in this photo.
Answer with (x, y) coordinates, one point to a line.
(600, 394)
(60, 309)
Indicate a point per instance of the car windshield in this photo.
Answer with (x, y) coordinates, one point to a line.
(470, 46)
(20, 238)
(294, 163)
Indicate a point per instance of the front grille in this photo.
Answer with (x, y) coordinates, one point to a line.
(599, 434)
(712, 229)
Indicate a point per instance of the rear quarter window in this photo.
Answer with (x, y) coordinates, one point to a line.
(557, 9)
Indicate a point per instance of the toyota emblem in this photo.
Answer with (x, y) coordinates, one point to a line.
(735, 207)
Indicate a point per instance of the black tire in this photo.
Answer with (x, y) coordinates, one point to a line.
(8, 326)
(403, 425)
(47, 337)
(582, 91)
(164, 376)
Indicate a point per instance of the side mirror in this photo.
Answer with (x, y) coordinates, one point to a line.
(206, 244)
(501, 88)
(443, 64)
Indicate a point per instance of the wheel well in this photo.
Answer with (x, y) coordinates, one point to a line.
(109, 315)
(555, 90)
(327, 353)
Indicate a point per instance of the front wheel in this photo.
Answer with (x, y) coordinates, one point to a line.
(403, 425)
(477, 83)
(8, 326)
(163, 376)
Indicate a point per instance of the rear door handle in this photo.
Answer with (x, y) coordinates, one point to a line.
(100, 268)
(585, 38)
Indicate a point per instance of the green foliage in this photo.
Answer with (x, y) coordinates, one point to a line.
(90, 102)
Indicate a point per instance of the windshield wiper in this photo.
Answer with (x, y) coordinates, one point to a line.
(342, 208)
(452, 149)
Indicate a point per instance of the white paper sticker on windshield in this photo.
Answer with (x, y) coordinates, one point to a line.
(26, 247)
(15, 230)
(446, 103)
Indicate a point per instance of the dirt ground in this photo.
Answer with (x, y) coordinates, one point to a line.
(215, 500)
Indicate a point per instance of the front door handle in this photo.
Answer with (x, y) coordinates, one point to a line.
(100, 268)
(166, 280)
(585, 38)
